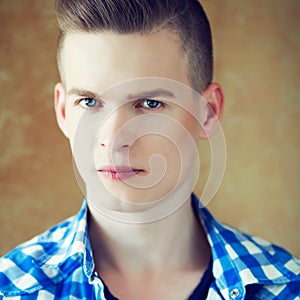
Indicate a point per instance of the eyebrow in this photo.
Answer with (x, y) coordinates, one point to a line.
(140, 95)
(151, 94)
(82, 93)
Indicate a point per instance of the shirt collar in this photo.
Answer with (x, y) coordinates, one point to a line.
(221, 260)
(70, 247)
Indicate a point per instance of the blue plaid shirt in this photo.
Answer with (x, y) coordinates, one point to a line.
(59, 265)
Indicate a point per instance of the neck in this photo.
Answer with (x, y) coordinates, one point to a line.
(177, 242)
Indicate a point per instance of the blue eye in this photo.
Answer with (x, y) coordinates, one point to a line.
(148, 103)
(88, 102)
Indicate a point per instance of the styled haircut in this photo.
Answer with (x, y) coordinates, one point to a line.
(185, 18)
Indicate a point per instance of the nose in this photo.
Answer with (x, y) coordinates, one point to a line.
(113, 134)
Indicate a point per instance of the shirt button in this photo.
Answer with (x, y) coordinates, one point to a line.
(234, 293)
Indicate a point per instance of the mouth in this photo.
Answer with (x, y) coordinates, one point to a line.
(119, 173)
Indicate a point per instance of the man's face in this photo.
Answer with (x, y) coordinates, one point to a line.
(94, 67)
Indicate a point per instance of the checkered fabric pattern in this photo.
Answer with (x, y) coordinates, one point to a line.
(59, 265)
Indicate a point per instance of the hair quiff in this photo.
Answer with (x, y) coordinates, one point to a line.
(186, 18)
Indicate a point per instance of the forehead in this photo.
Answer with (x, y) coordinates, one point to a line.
(97, 61)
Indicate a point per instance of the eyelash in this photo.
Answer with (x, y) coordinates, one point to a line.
(80, 102)
(140, 104)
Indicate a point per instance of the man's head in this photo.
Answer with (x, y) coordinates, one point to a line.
(126, 98)
(186, 19)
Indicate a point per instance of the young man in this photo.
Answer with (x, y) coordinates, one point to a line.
(127, 106)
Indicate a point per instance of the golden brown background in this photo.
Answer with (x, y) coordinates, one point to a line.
(257, 47)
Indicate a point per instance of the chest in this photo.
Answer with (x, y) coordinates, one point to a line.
(173, 286)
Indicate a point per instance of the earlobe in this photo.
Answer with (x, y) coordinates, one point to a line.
(60, 107)
(213, 95)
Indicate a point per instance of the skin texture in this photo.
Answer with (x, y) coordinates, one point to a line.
(173, 252)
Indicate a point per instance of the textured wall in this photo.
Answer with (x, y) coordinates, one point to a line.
(257, 62)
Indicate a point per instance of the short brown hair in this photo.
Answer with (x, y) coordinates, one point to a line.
(184, 17)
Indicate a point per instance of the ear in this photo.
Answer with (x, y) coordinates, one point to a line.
(213, 94)
(60, 107)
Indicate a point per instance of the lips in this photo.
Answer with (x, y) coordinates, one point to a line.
(119, 173)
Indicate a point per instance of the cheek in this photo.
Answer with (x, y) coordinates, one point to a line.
(183, 151)
(191, 125)
(156, 150)
(73, 118)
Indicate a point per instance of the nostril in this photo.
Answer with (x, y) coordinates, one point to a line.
(116, 147)
(125, 146)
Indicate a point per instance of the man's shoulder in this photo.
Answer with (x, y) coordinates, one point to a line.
(244, 264)
(20, 269)
(266, 270)
(40, 244)
(257, 251)
(245, 251)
